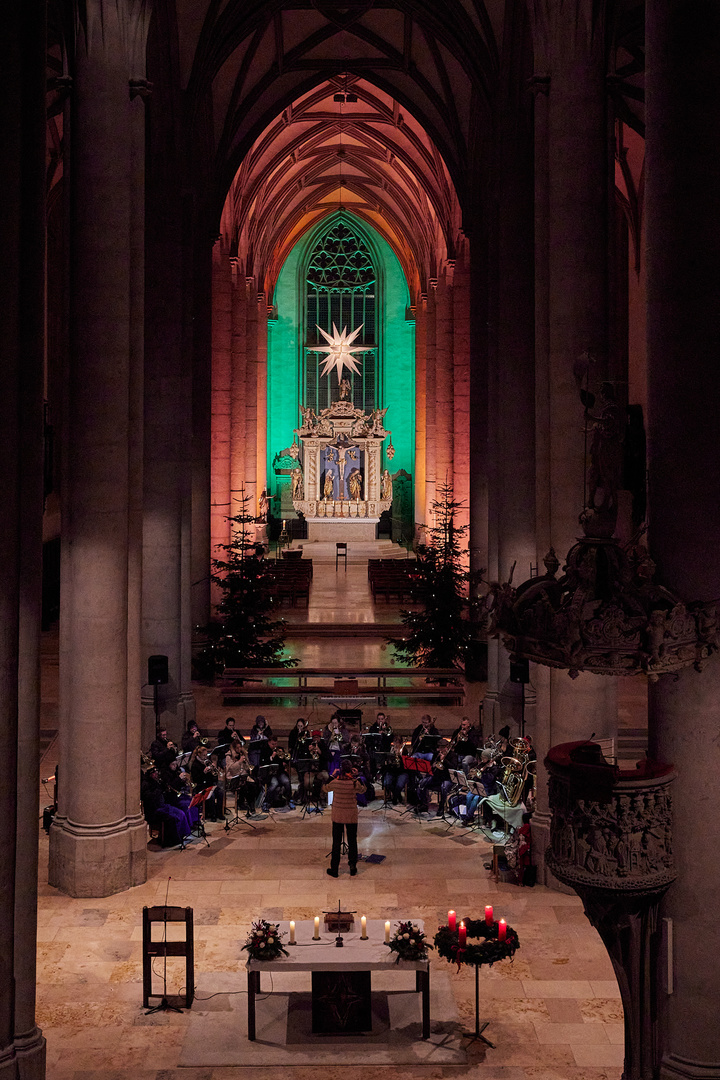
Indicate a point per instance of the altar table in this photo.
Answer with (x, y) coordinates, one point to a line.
(355, 955)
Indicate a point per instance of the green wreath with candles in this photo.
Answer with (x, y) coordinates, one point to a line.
(488, 951)
(264, 941)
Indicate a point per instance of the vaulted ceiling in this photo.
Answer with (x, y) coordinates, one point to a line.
(343, 144)
(310, 105)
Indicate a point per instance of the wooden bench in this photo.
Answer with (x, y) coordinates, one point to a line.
(291, 580)
(391, 577)
(236, 695)
(442, 683)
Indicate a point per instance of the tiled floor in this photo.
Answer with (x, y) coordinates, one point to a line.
(554, 1011)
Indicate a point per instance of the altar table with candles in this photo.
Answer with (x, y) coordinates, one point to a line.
(323, 956)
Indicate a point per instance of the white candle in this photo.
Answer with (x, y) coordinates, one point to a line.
(283, 523)
(363, 928)
(316, 935)
(292, 931)
(387, 933)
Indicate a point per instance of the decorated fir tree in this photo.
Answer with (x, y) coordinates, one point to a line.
(440, 632)
(244, 634)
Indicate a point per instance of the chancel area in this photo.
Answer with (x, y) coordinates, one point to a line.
(291, 278)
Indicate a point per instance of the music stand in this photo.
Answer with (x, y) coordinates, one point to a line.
(232, 789)
(416, 765)
(311, 803)
(427, 744)
(385, 804)
(475, 787)
(199, 800)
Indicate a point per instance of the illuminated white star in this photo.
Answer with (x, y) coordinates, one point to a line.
(339, 351)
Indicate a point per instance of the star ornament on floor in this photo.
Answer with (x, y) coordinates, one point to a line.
(339, 350)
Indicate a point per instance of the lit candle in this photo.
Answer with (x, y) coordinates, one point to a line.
(363, 928)
(387, 933)
(292, 931)
(502, 930)
(316, 935)
(452, 921)
(488, 914)
(462, 935)
(283, 524)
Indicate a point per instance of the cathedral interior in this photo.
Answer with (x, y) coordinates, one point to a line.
(511, 207)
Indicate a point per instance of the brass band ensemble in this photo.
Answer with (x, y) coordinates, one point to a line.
(485, 783)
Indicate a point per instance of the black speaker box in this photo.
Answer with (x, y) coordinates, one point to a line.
(157, 670)
(520, 671)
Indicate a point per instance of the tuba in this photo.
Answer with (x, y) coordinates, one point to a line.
(515, 771)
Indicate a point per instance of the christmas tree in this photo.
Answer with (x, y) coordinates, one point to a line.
(244, 635)
(440, 633)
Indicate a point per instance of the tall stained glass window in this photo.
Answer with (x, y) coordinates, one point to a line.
(341, 288)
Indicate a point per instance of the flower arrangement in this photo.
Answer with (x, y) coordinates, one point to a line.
(264, 941)
(409, 942)
(487, 951)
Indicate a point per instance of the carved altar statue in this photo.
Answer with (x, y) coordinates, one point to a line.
(341, 491)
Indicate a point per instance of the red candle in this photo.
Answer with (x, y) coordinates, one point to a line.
(462, 935)
(452, 921)
(488, 914)
(502, 930)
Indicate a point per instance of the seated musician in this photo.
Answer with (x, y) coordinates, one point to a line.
(464, 742)
(191, 738)
(337, 738)
(239, 777)
(156, 807)
(487, 775)
(259, 732)
(379, 746)
(162, 749)
(298, 741)
(279, 789)
(299, 734)
(225, 734)
(395, 777)
(316, 773)
(204, 774)
(425, 727)
(438, 780)
(177, 788)
(360, 760)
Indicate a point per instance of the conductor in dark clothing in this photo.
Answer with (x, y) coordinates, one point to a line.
(344, 787)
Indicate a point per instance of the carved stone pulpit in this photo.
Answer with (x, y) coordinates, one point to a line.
(611, 841)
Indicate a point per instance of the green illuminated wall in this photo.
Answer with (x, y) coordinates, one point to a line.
(396, 342)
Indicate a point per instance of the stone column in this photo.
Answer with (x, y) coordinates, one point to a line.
(22, 320)
(198, 294)
(98, 838)
(168, 437)
(444, 371)
(461, 384)
(683, 330)
(430, 404)
(238, 381)
(420, 413)
(569, 38)
(223, 373)
(261, 398)
(512, 491)
(251, 414)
